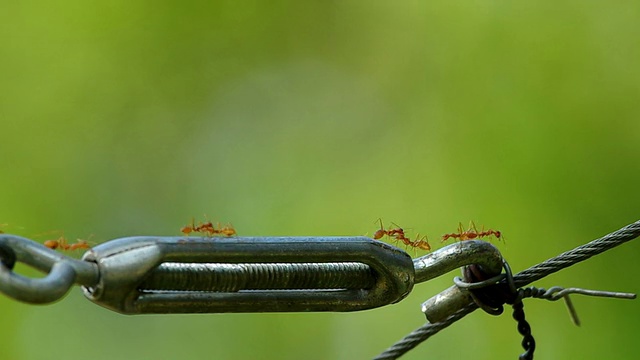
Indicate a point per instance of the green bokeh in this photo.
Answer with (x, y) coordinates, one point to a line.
(317, 118)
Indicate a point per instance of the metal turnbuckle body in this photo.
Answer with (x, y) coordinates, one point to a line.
(248, 274)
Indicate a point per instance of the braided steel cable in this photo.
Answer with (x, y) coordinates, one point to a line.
(422, 333)
(578, 254)
(523, 278)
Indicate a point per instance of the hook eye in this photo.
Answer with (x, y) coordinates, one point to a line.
(62, 271)
(7, 256)
(38, 291)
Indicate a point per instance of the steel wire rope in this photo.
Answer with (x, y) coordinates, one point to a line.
(524, 277)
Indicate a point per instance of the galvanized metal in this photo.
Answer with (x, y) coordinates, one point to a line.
(444, 304)
(135, 281)
(62, 272)
(457, 255)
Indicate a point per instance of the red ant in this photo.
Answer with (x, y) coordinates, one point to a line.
(208, 229)
(471, 233)
(480, 234)
(54, 244)
(461, 234)
(405, 240)
(421, 243)
(189, 228)
(446, 237)
(227, 230)
(80, 244)
(61, 243)
(398, 234)
(491, 232)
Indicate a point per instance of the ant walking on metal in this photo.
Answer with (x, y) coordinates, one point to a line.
(207, 228)
(472, 233)
(61, 243)
(421, 243)
(395, 233)
(398, 235)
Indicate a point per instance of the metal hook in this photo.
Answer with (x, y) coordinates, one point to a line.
(457, 255)
(480, 253)
(62, 271)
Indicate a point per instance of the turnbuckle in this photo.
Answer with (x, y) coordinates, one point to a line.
(139, 275)
(248, 274)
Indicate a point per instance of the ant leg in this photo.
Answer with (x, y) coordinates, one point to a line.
(472, 225)
(461, 232)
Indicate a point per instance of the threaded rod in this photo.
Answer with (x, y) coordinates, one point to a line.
(224, 277)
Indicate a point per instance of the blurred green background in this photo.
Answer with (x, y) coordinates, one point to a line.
(317, 118)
